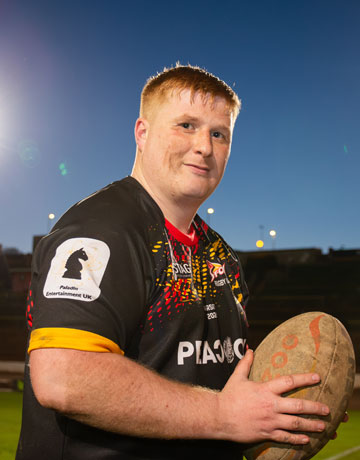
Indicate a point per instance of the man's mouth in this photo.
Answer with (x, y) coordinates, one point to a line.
(199, 169)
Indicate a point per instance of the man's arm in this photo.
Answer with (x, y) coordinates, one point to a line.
(111, 392)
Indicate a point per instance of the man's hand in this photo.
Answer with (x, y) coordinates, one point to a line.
(253, 412)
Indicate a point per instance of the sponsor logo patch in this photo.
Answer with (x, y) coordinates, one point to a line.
(181, 270)
(202, 352)
(217, 271)
(77, 269)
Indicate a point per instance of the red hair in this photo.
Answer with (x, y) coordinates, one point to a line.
(180, 78)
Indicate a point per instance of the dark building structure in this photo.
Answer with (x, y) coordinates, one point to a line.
(285, 283)
(282, 284)
(15, 272)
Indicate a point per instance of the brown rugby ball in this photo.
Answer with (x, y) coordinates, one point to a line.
(310, 342)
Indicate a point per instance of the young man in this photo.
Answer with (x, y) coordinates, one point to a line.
(137, 319)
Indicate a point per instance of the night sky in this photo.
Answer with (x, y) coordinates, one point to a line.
(71, 72)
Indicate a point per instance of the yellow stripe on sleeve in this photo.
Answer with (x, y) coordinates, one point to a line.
(61, 337)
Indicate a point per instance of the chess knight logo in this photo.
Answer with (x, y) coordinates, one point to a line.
(73, 265)
(77, 269)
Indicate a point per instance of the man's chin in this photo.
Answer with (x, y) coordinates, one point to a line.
(198, 196)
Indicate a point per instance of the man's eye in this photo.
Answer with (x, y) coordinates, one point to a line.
(217, 134)
(186, 125)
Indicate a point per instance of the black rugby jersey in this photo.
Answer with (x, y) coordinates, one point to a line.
(114, 276)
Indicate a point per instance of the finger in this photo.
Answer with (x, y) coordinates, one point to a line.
(292, 423)
(289, 438)
(287, 383)
(300, 406)
(244, 366)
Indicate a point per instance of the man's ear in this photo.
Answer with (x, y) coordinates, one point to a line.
(141, 131)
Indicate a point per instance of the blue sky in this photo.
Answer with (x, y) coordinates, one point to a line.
(71, 73)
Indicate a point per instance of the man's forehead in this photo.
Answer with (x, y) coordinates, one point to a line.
(195, 96)
(188, 101)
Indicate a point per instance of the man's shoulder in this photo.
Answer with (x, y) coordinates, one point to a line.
(126, 193)
(120, 215)
(124, 202)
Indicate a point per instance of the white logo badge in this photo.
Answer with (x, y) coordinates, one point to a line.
(77, 269)
(228, 350)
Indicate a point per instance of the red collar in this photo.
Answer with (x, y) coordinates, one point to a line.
(189, 239)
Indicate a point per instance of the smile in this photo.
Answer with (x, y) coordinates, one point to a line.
(203, 170)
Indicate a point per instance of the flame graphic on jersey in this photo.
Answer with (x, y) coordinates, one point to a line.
(175, 296)
(215, 269)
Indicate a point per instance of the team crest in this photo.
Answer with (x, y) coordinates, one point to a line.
(77, 269)
(215, 269)
(228, 350)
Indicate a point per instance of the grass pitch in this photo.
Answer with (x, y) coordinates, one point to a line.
(348, 437)
(10, 421)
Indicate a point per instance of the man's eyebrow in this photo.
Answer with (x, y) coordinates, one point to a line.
(187, 117)
(192, 119)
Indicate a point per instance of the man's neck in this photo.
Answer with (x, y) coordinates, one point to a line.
(179, 214)
(181, 220)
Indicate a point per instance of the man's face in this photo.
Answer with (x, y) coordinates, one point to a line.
(185, 147)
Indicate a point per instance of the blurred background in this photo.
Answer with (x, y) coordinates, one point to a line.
(71, 73)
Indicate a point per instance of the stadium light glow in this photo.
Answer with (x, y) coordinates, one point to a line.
(209, 212)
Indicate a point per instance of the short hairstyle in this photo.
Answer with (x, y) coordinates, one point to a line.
(183, 77)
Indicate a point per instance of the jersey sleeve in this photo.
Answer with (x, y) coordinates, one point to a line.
(91, 281)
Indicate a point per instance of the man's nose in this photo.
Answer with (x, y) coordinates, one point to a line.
(203, 143)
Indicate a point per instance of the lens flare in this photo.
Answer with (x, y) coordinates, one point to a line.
(29, 153)
(63, 169)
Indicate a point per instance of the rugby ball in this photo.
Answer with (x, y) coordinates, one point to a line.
(310, 342)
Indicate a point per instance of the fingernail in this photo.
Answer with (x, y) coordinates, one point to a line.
(304, 440)
(325, 410)
(316, 377)
(320, 426)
